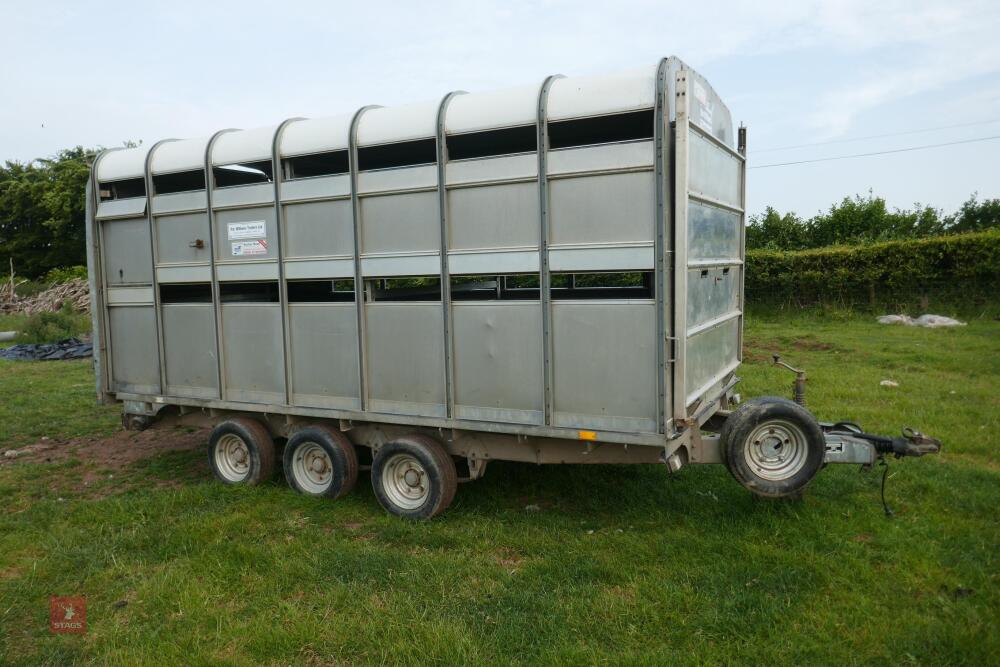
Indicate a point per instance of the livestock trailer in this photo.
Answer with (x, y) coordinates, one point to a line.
(551, 273)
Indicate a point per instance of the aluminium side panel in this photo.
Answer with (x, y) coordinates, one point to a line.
(498, 353)
(405, 348)
(602, 207)
(127, 251)
(604, 365)
(191, 368)
(246, 235)
(135, 361)
(708, 237)
(494, 217)
(253, 344)
(182, 239)
(316, 229)
(400, 223)
(323, 344)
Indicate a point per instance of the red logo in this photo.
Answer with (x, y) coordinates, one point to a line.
(67, 614)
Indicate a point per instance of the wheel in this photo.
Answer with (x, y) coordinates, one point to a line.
(241, 451)
(772, 446)
(414, 477)
(320, 461)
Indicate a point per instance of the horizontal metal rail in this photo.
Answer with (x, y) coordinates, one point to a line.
(718, 142)
(712, 201)
(631, 438)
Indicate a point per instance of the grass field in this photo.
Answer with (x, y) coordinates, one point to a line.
(621, 565)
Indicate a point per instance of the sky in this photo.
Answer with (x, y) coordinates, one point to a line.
(828, 78)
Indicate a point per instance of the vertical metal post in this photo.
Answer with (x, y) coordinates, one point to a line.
(216, 298)
(442, 188)
(659, 146)
(742, 143)
(544, 277)
(359, 283)
(95, 281)
(154, 254)
(101, 293)
(279, 223)
(680, 244)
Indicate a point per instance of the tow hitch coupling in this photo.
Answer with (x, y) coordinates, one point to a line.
(847, 443)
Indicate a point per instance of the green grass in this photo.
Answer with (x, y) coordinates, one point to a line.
(621, 565)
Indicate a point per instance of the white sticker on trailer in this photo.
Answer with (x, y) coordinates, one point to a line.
(705, 106)
(245, 248)
(705, 116)
(254, 229)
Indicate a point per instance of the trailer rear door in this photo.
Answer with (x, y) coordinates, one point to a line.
(708, 239)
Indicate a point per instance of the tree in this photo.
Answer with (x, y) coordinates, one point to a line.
(777, 232)
(975, 216)
(42, 211)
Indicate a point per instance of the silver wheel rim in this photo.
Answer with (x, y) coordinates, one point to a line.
(776, 450)
(405, 482)
(232, 458)
(312, 468)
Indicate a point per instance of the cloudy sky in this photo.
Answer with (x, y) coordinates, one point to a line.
(826, 78)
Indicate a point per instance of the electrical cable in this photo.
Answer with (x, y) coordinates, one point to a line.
(875, 136)
(885, 473)
(857, 155)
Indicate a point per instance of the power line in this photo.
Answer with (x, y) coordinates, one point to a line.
(897, 150)
(876, 136)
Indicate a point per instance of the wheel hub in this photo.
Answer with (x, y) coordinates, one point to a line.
(232, 458)
(404, 481)
(776, 450)
(312, 468)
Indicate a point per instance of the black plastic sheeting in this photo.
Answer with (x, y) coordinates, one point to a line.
(68, 348)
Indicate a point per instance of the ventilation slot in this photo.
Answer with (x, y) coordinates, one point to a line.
(404, 289)
(402, 154)
(256, 292)
(631, 285)
(182, 181)
(319, 164)
(509, 141)
(601, 129)
(124, 189)
(494, 288)
(321, 291)
(186, 293)
(244, 173)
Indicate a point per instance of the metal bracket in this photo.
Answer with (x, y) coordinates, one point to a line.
(842, 448)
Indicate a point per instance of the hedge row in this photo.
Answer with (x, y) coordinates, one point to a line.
(962, 265)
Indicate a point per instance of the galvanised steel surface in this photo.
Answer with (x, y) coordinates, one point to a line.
(619, 369)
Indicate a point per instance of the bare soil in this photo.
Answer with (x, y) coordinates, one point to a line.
(105, 458)
(756, 350)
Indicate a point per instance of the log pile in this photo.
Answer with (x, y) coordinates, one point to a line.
(75, 291)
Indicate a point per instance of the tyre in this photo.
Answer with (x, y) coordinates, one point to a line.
(414, 477)
(320, 461)
(241, 451)
(772, 446)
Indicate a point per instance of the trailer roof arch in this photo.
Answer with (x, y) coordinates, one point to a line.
(121, 164)
(509, 107)
(177, 156)
(385, 125)
(580, 96)
(239, 146)
(316, 135)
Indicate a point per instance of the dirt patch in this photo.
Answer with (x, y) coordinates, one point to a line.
(105, 458)
(114, 452)
(758, 351)
(508, 558)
